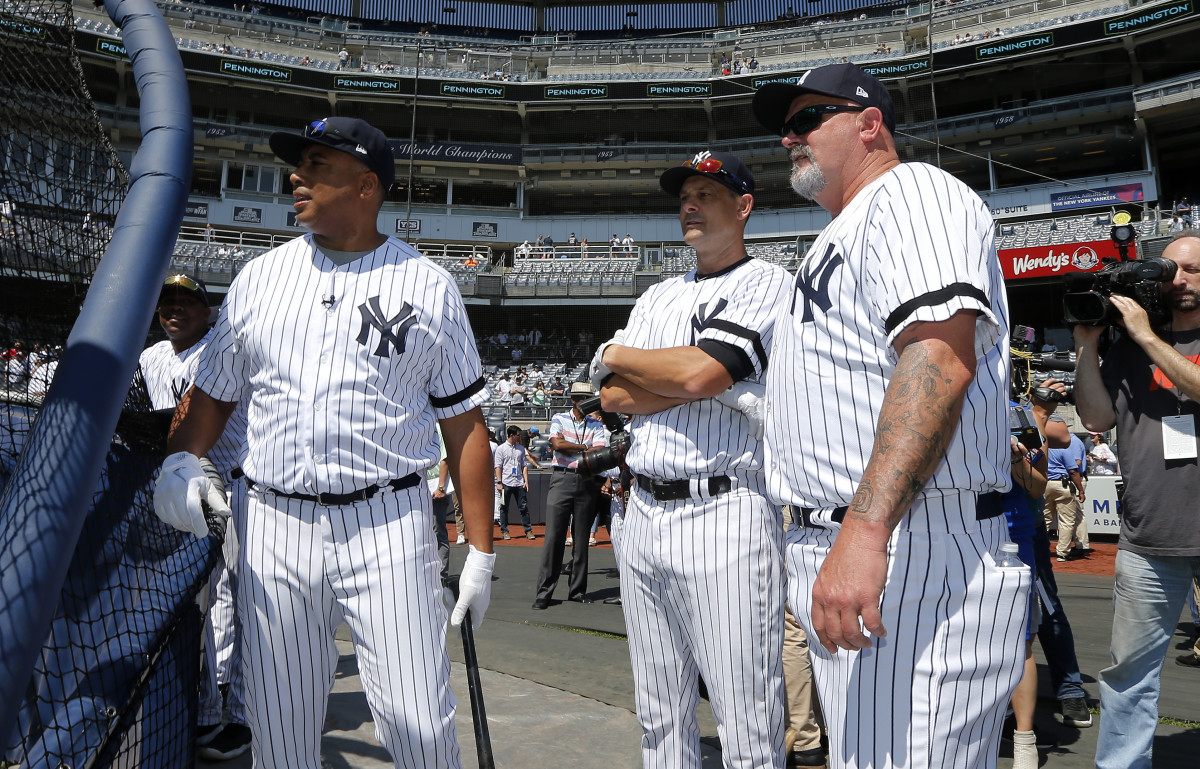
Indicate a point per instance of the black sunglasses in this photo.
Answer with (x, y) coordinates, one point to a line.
(809, 118)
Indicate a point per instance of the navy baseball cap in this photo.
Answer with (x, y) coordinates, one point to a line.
(355, 137)
(840, 81)
(719, 166)
(184, 284)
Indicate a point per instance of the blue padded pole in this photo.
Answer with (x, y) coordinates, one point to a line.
(45, 503)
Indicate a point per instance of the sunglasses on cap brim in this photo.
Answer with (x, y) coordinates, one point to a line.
(318, 128)
(807, 119)
(182, 282)
(715, 166)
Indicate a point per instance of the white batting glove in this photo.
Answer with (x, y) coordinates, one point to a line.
(747, 397)
(597, 371)
(474, 587)
(181, 492)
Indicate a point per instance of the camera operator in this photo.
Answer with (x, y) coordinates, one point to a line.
(571, 493)
(1149, 388)
(1065, 491)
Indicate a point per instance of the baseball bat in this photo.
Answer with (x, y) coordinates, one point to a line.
(483, 737)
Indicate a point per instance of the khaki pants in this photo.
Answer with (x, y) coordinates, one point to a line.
(803, 707)
(1062, 504)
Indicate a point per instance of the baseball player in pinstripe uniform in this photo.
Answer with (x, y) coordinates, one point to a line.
(887, 428)
(701, 546)
(169, 368)
(348, 346)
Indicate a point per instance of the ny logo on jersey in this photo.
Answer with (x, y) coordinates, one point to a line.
(703, 318)
(373, 317)
(814, 284)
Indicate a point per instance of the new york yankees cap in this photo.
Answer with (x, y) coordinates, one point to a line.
(355, 137)
(840, 81)
(181, 283)
(721, 167)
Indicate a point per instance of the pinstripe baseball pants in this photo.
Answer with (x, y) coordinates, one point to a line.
(933, 693)
(305, 568)
(702, 586)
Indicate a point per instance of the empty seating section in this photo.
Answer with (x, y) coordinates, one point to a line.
(678, 260)
(572, 277)
(1068, 229)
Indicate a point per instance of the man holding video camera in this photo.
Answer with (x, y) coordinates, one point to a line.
(1149, 388)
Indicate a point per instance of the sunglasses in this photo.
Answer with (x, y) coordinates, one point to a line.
(809, 118)
(714, 166)
(318, 128)
(182, 281)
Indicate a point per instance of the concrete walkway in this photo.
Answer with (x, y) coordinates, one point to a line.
(559, 690)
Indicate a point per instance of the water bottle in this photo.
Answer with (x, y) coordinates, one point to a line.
(1009, 557)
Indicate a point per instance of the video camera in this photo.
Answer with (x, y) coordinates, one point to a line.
(1025, 361)
(596, 461)
(1021, 426)
(1087, 300)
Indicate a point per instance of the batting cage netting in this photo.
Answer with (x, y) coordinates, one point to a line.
(115, 681)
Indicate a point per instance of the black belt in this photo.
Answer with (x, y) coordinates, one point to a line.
(407, 482)
(667, 491)
(987, 506)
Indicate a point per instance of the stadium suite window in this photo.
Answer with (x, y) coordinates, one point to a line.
(250, 178)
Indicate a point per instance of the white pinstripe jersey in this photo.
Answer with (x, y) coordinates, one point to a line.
(344, 396)
(914, 245)
(168, 376)
(730, 314)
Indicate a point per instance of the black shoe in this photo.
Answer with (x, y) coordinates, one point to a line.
(811, 757)
(540, 605)
(581, 599)
(231, 742)
(1191, 660)
(206, 734)
(1075, 713)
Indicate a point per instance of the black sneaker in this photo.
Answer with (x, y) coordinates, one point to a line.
(1189, 660)
(231, 742)
(1075, 713)
(206, 734)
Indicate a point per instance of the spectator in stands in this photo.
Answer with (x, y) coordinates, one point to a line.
(343, 59)
(518, 392)
(539, 394)
(583, 247)
(535, 339)
(517, 353)
(753, 63)
(209, 233)
(559, 387)
(540, 245)
(6, 218)
(548, 244)
(627, 244)
(572, 241)
(613, 245)
(503, 385)
(1176, 224)
(223, 251)
(524, 249)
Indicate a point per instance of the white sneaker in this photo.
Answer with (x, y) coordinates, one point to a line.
(1025, 755)
(570, 542)
(592, 541)
(461, 540)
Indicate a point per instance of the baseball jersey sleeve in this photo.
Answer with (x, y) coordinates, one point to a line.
(930, 254)
(457, 384)
(737, 328)
(222, 372)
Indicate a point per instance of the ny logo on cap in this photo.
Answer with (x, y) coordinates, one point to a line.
(363, 150)
(701, 156)
(858, 90)
(373, 317)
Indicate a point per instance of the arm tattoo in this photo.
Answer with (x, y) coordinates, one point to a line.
(918, 417)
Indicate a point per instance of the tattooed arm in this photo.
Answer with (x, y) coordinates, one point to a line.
(919, 414)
